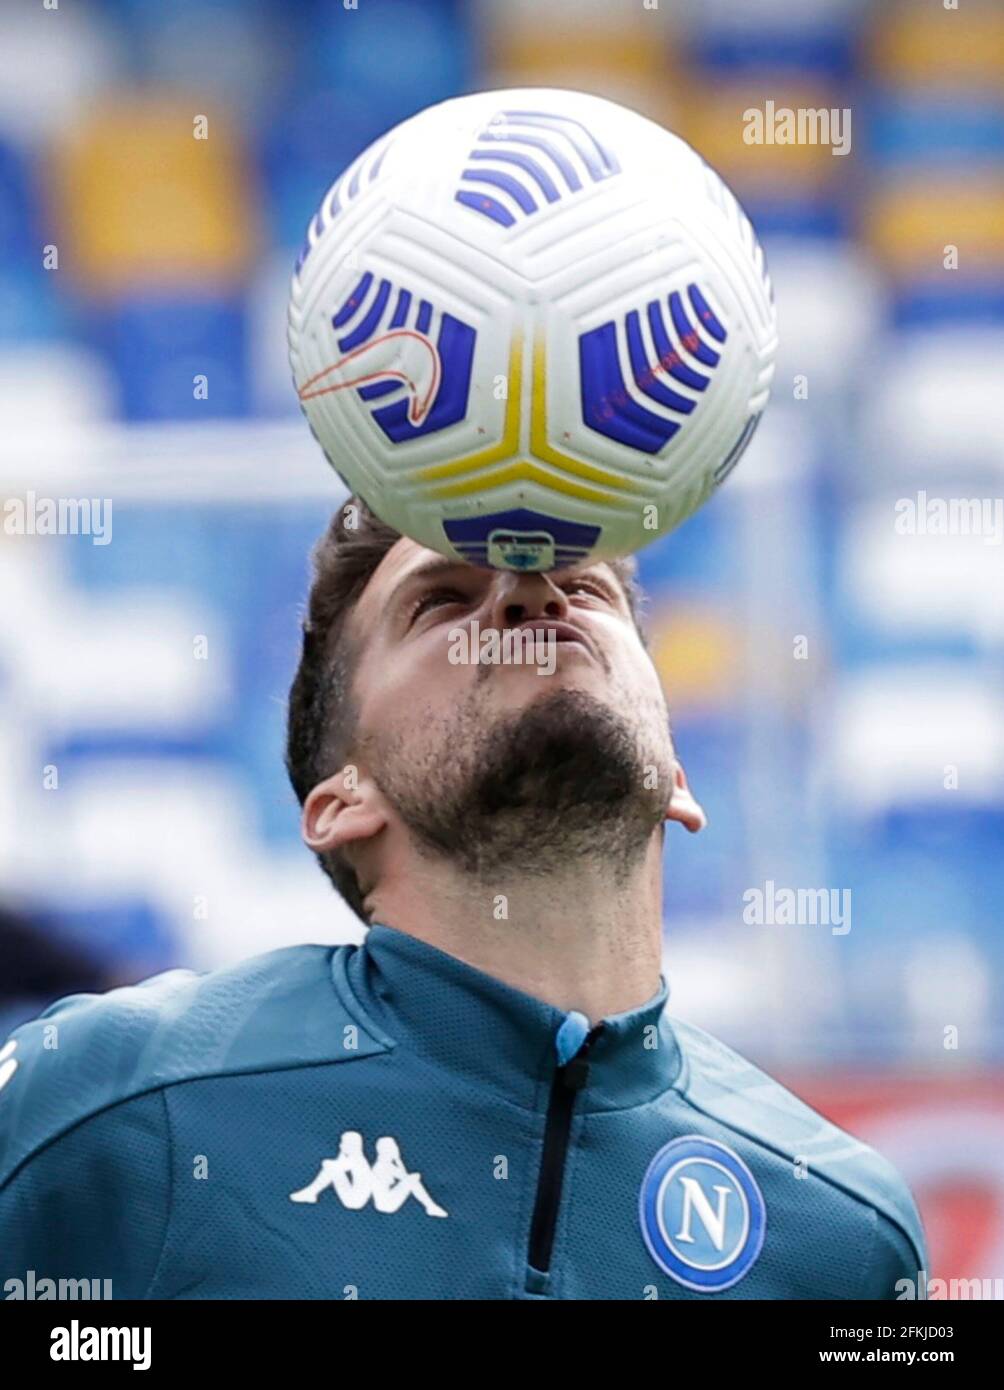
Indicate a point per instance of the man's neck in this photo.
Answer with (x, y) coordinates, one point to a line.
(579, 940)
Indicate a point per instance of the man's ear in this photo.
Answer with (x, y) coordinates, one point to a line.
(682, 804)
(342, 808)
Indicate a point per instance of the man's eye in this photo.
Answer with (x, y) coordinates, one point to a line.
(587, 586)
(435, 598)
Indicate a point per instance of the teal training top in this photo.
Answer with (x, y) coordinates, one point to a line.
(383, 1121)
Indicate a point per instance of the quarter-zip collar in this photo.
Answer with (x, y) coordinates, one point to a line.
(410, 994)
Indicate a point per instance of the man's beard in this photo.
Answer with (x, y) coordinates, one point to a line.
(531, 791)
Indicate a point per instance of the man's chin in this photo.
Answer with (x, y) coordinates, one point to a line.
(530, 770)
(564, 730)
(567, 665)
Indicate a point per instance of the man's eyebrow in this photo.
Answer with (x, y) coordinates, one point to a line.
(430, 569)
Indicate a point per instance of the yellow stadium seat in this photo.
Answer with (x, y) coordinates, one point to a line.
(695, 649)
(141, 202)
(930, 46)
(910, 223)
(716, 124)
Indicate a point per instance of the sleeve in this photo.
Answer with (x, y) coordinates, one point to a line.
(897, 1262)
(91, 1204)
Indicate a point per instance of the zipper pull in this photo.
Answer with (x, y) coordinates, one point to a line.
(575, 1072)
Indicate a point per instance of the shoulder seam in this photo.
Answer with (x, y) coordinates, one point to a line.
(169, 1144)
(918, 1254)
(51, 1139)
(824, 1177)
(872, 1252)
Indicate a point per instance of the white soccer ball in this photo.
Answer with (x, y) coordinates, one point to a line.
(532, 329)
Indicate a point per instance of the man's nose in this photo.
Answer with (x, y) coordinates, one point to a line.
(523, 598)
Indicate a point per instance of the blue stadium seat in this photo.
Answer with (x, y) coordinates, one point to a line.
(158, 345)
(119, 928)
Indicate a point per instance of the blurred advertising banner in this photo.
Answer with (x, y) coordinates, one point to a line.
(946, 1137)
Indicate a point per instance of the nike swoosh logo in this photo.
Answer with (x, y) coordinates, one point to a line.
(403, 353)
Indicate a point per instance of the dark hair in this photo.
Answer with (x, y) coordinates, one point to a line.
(322, 715)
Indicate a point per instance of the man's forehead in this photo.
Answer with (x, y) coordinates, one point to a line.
(401, 559)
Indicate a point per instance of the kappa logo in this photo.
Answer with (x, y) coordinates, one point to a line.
(702, 1214)
(8, 1062)
(355, 1181)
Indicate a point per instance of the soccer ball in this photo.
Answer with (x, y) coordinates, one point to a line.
(531, 329)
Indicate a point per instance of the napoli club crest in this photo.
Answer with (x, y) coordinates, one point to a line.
(702, 1214)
